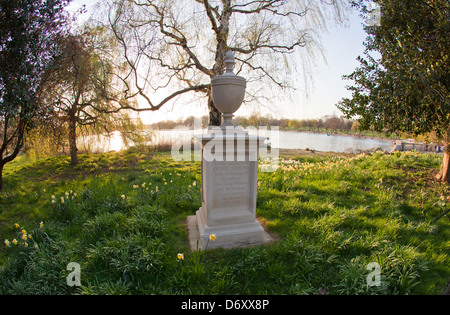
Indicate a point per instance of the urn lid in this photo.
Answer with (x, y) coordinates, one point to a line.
(229, 77)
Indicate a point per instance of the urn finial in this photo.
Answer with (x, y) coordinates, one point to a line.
(229, 62)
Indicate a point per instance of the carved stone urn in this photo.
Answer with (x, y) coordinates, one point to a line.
(228, 91)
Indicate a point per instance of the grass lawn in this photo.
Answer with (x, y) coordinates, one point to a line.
(121, 217)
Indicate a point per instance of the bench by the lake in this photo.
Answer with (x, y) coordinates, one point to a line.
(411, 145)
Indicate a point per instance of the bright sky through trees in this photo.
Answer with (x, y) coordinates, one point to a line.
(342, 45)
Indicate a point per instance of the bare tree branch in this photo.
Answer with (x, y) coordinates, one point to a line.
(180, 44)
(153, 107)
(209, 12)
(264, 5)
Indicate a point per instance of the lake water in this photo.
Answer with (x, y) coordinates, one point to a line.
(278, 139)
(328, 143)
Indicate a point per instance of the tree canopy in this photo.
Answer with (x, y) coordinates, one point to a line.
(174, 47)
(81, 92)
(402, 83)
(28, 31)
(406, 88)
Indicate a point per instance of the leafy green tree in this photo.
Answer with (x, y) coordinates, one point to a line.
(402, 83)
(28, 30)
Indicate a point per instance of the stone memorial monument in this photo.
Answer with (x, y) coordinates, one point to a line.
(228, 174)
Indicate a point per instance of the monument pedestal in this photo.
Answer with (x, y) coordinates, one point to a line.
(229, 173)
(229, 182)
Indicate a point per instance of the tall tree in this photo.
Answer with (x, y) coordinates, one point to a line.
(183, 43)
(81, 90)
(407, 88)
(28, 30)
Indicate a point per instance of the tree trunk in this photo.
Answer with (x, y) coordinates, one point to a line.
(222, 32)
(1, 176)
(215, 117)
(4, 148)
(73, 140)
(443, 173)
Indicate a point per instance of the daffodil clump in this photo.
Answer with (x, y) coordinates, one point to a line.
(155, 188)
(314, 168)
(147, 187)
(23, 238)
(68, 195)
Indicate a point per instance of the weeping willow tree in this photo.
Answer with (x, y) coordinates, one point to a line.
(82, 93)
(172, 48)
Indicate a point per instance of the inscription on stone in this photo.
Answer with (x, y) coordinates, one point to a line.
(231, 183)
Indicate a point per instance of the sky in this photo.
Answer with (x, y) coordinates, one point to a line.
(341, 45)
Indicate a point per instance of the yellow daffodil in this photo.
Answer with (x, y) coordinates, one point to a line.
(26, 244)
(24, 232)
(62, 199)
(14, 241)
(16, 225)
(41, 224)
(180, 256)
(212, 237)
(7, 243)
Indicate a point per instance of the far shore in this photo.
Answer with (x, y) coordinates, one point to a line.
(344, 135)
(305, 131)
(287, 130)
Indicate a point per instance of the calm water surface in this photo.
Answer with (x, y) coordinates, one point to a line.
(328, 143)
(278, 139)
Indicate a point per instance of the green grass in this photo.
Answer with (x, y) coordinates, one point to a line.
(123, 220)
